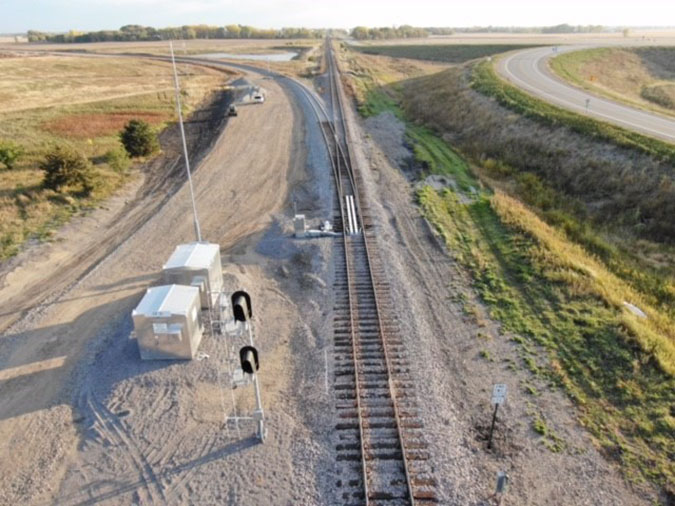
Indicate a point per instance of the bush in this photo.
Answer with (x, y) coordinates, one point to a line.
(118, 160)
(139, 139)
(10, 153)
(662, 95)
(64, 166)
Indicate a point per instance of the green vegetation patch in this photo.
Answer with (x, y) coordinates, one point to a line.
(378, 101)
(431, 154)
(448, 53)
(553, 301)
(435, 156)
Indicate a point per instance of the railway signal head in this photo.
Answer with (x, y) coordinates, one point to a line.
(241, 306)
(248, 358)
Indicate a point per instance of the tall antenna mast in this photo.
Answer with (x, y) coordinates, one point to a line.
(198, 231)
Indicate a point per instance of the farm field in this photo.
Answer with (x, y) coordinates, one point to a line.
(83, 102)
(637, 37)
(303, 64)
(447, 53)
(193, 46)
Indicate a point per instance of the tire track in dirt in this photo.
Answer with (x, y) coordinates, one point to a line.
(109, 425)
(179, 485)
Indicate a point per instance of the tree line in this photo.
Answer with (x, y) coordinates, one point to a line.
(388, 32)
(406, 31)
(129, 33)
(145, 33)
(563, 28)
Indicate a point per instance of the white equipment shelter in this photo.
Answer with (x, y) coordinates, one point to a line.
(196, 264)
(168, 323)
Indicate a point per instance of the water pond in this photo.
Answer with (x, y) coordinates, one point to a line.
(287, 56)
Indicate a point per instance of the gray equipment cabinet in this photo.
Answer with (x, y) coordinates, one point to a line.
(196, 264)
(168, 323)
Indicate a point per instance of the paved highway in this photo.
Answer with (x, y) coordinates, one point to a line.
(529, 70)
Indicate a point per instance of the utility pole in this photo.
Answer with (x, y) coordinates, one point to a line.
(198, 232)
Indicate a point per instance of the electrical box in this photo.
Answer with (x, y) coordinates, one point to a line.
(299, 226)
(168, 323)
(196, 264)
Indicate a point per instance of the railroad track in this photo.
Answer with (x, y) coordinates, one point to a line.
(382, 454)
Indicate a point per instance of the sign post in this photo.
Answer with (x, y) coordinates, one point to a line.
(502, 484)
(498, 398)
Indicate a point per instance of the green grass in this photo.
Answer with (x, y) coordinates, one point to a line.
(567, 65)
(437, 157)
(447, 53)
(550, 438)
(377, 101)
(558, 302)
(432, 154)
(558, 210)
(486, 81)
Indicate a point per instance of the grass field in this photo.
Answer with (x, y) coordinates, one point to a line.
(550, 294)
(642, 77)
(447, 53)
(84, 102)
(557, 288)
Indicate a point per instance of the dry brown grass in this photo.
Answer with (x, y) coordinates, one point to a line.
(251, 46)
(91, 125)
(47, 81)
(84, 101)
(623, 74)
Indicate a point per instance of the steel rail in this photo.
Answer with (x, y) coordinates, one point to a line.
(358, 196)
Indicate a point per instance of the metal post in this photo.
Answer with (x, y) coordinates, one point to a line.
(259, 414)
(502, 484)
(198, 231)
(492, 427)
(325, 356)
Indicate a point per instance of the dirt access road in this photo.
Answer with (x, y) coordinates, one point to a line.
(48, 389)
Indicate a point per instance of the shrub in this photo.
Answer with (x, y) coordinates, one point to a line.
(118, 160)
(660, 95)
(10, 153)
(64, 166)
(139, 139)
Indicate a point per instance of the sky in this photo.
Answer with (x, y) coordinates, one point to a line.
(62, 15)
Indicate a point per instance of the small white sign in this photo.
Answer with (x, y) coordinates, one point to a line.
(499, 393)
